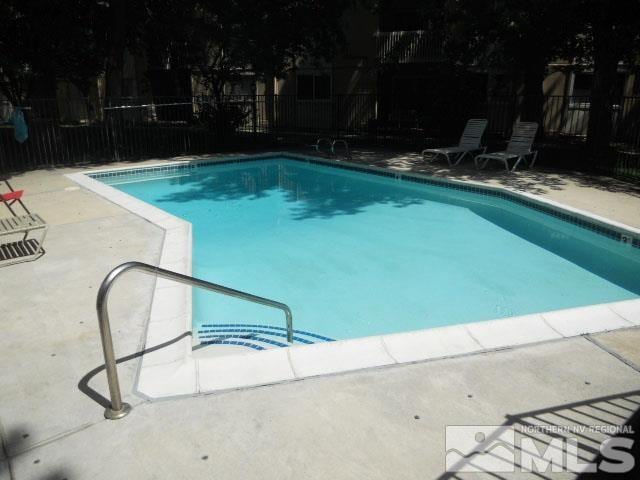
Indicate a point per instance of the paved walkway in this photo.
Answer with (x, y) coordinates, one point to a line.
(382, 423)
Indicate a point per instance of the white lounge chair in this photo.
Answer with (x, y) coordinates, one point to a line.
(469, 143)
(518, 148)
(17, 242)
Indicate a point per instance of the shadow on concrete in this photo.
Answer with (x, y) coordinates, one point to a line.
(83, 384)
(536, 181)
(543, 433)
(531, 181)
(607, 184)
(633, 423)
(15, 441)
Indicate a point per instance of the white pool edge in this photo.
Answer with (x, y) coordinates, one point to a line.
(173, 371)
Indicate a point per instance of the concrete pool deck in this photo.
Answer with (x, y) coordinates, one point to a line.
(348, 426)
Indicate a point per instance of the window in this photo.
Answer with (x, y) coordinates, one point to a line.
(582, 83)
(305, 87)
(322, 87)
(314, 87)
(581, 91)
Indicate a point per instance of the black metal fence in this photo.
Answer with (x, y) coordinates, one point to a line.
(81, 131)
(564, 116)
(565, 121)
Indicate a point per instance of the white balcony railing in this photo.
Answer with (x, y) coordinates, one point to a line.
(407, 46)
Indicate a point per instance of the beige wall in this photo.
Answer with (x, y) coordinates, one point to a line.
(556, 83)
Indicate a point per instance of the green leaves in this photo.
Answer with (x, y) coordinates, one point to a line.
(42, 41)
(222, 38)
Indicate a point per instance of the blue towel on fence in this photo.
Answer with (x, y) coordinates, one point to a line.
(20, 129)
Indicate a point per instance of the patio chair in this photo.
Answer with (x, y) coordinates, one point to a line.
(11, 197)
(17, 240)
(469, 143)
(518, 148)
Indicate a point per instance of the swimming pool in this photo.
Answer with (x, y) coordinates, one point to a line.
(355, 254)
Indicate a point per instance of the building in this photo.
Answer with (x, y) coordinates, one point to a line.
(391, 77)
(393, 73)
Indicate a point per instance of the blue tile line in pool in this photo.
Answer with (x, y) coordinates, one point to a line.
(565, 216)
(253, 336)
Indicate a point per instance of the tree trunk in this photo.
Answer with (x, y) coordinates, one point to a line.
(270, 102)
(608, 48)
(532, 104)
(603, 97)
(117, 43)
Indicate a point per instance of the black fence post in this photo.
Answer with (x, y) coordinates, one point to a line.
(337, 115)
(254, 112)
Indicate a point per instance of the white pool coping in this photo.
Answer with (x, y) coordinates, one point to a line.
(173, 370)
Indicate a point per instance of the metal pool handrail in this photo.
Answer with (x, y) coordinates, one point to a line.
(346, 147)
(118, 408)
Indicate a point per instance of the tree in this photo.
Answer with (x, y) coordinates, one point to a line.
(220, 39)
(522, 35)
(224, 40)
(526, 36)
(127, 20)
(117, 42)
(611, 35)
(42, 42)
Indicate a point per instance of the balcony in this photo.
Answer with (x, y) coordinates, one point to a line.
(407, 46)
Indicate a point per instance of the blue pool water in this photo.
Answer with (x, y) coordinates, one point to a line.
(355, 254)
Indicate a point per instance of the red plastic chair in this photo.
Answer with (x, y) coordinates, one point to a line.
(11, 197)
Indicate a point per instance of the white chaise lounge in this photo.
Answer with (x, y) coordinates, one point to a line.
(469, 143)
(518, 148)
(17, 240)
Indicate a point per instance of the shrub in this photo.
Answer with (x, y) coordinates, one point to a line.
(224, 118)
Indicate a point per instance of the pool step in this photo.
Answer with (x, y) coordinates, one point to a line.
(256, 337)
